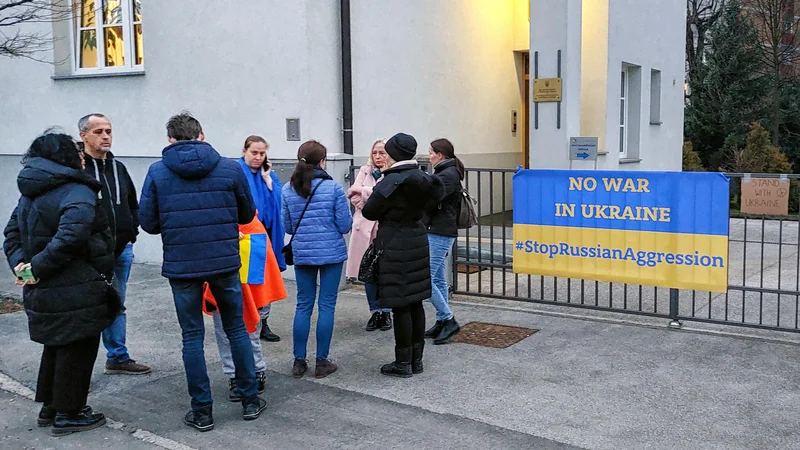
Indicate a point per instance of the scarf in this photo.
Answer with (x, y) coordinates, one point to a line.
(268, 204)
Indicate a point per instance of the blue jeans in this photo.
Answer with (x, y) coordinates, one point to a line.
(440, 247)
(306, 276)
(372, 298)
(188, 296)
(114, 335)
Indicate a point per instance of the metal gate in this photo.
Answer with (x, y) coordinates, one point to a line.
(764, 267)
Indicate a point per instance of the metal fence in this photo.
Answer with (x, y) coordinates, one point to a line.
(764, 267)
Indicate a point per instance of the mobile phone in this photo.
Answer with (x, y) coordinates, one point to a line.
(25, 274)
(266, 164)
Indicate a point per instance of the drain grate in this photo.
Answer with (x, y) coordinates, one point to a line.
(491, 335)
(463, 268)
(9, 305)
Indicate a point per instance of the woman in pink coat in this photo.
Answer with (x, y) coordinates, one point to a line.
(364, 232)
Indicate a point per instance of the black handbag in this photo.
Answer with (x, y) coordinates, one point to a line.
(113, 301)
(368, 270)
(288, 254)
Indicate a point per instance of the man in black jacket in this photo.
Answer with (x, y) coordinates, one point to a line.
(118, 198)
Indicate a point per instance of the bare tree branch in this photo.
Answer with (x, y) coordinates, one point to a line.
(777, 26)
(701, 15)
(16, 41)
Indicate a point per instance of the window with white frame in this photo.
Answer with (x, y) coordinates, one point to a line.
(630, 112)
(107, 36)
(623, 114)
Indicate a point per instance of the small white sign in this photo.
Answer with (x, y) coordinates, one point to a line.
(583, 148)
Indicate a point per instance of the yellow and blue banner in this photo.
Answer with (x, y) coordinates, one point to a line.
(253, 251)
(665, 229)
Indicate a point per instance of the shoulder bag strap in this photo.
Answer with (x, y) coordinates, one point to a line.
(308, 202)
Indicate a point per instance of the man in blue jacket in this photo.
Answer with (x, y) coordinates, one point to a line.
(196, 200)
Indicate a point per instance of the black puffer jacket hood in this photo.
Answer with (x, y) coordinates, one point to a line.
(41, 175)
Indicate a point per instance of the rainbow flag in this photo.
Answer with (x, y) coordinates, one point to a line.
(253, 251)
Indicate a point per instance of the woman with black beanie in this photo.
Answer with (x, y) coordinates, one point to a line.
(398, 203)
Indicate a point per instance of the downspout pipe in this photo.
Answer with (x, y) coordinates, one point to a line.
(347, 78)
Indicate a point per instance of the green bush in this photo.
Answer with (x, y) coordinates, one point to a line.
(691, 159)
(757, 156)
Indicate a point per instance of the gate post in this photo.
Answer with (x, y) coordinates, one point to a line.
(674, 296)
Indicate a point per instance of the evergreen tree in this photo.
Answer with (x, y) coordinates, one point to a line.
(790, 127)
(726, 96)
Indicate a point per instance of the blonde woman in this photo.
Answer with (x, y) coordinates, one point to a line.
(364, 231)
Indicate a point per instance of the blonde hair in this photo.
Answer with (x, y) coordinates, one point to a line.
(379, 141)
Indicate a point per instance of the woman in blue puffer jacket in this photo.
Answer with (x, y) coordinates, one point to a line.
(319, 249)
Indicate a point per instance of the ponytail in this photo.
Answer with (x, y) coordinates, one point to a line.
(309, 156)
(462, 172)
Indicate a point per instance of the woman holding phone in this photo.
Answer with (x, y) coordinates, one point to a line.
(265, 187)
(59, 245)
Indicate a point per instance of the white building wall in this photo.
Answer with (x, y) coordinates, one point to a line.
(594, 72)
(556, 26)
(240, 67)
(650, 34)
(434, 69)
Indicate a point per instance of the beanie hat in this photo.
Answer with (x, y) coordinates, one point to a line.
(401, 147)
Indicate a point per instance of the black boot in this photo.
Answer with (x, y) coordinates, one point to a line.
(253, 407)
(401, 367)
(267, 334)
(299, 368)
(386, 321)
(48, 414)
(374, 322)
(200, 419)
(416, 358)
(73, 423)
(435, 330)
(449, 329)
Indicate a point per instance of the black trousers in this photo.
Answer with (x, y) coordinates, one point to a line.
(65, 373)
(409, 325)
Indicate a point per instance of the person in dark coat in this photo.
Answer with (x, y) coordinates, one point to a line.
(398, 203)
(441, 221)
(60, 233)
(121, 205)
(196, 200)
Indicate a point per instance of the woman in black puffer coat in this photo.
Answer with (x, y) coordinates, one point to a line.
(60, 233)
(398, 203)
